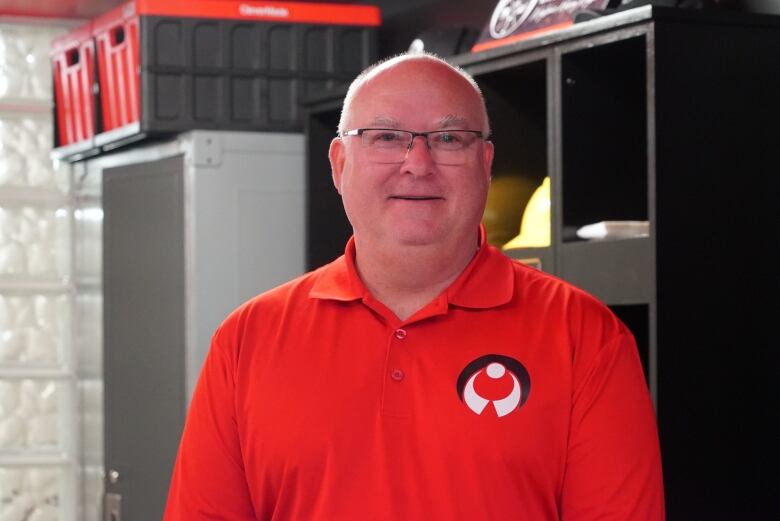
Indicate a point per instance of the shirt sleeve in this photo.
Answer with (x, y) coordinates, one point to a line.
(613, 470)
(208, 480)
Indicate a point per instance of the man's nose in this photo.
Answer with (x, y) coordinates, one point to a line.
(423, 149)
(418, 161)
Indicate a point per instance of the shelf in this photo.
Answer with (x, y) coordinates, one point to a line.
(604, 158)
(617, 272)
(519, 131)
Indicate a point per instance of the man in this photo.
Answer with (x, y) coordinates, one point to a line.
(423, 375)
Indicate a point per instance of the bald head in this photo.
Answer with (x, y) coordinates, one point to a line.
(424, 65)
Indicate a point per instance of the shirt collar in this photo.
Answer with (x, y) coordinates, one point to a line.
(339, 279)
(487, 281)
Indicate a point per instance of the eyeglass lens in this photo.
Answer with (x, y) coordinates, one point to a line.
(447, 147)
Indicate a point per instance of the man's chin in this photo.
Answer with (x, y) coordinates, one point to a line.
(419, 237)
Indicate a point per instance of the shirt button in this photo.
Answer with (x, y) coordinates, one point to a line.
(397, 375)
(400, 334)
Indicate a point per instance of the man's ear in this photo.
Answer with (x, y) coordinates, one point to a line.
(336, 155)
(487, 157)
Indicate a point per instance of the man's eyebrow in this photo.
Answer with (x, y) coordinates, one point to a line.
(452, 121)
(384, 121)
(448, 121)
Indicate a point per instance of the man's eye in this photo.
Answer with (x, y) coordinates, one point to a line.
(449, 138)
(384, 138)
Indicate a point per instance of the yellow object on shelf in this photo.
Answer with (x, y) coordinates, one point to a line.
(504, 210)
(536, 223)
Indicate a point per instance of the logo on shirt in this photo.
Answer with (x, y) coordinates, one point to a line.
(495, 380)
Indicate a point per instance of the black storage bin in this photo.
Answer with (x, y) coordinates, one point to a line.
(240, 75)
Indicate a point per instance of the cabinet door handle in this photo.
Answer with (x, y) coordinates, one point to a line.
(112, 507)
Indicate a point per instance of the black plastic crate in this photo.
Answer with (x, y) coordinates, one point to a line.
(226, 74)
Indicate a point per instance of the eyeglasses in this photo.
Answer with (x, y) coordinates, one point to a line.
(387, 145)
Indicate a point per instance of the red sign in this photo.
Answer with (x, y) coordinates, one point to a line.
(288, 12)
(514, 20)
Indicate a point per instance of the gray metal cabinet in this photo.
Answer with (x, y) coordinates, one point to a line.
(192, 227)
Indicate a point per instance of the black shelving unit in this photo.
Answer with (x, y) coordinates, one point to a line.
(667, 116)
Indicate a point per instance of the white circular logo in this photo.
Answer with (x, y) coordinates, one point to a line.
(495, 380)
(509, 15)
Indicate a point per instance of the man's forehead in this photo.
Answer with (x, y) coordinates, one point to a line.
(414, 93)
(414, 76)
(389, 100)
(411, 64)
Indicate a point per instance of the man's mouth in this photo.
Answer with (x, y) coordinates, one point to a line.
(416, 197)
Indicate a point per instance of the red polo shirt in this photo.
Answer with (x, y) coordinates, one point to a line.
(511, 396)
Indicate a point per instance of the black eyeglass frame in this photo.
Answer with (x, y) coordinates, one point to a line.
(359, 132)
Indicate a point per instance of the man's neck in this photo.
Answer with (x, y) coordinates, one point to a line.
(406, 279)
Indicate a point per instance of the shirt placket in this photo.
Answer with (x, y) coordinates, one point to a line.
(398, 377)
